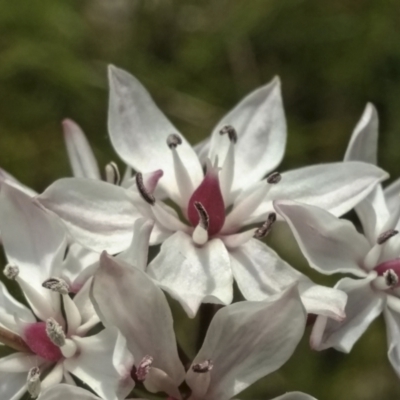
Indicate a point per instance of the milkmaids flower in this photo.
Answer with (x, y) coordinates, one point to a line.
(244, 342)
(217, 242)
(51, 340)
(333, 245)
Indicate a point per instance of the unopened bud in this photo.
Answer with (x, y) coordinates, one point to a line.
(55, 332)
(57, 285)
(11, 271)
(173, 141)
(33, 382)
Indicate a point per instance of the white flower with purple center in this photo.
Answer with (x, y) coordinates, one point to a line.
(224, 211)
(333, 245)
(51, 337)
(244, 342)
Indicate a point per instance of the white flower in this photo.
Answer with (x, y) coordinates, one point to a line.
(333, 245)
(245, 341)
(52, 338)
(212, 245)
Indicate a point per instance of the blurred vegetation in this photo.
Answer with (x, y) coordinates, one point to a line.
(198, 59)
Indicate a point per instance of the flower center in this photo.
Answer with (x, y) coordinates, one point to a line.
(209, 195)
(38, 341)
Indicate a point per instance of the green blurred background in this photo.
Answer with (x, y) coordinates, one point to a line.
(198, 59)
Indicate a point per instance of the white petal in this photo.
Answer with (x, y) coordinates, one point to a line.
(260, 124)
(12, 181)
(330, 244)
(136, 254)
(99, 215)
(364, 304)
(94, 365)
(54, 377)
(12, 385)
(392, 195)
(295, 396)
(140, 311)
(81, 157)
(248, 340)
(202, 149)
(363, 145)
(66, 392)
(19, 362)
(261, 273)
(335, 187)
(392, 319)
(193, 274)
(9, 308)
(139, 131)
(33, 240)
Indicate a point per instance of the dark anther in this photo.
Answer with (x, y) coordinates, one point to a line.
(204, 218)
(173, 141)
(203, 367)
(385, 236)
(266, 227)
(230, 131)
(274, 177)
(149, 198)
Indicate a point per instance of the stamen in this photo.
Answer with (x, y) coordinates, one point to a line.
(11, 271)
(385, 236)
(204, 219)
(230, 131)
(203, 367)
(173, 141)
(274, 177)
(57, 285)
(266, 227)
(144, 368)
(33, 382)
(112, 173)
(55, 332)
(391, 278)
(149, 198)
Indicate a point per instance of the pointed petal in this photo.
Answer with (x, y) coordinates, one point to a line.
(7, 178)
(249, 340)
(136, 254)
(66, 392)
(193, 274)
(261, 273)
(9, 308)
(33, 239)
(140, 311)
(363, 145)
(392, 195)
(98, 215)
(139, 131)
(364, 304)
(295, 396)
(19, 362)
(330, 244)
(335, 187)
(392, 319)
(260, 123)
(81, 157)
(94, 365)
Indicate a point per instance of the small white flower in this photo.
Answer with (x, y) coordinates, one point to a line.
(245, 341)
(52, 337)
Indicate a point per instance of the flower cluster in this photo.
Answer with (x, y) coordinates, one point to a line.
(96, 322)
